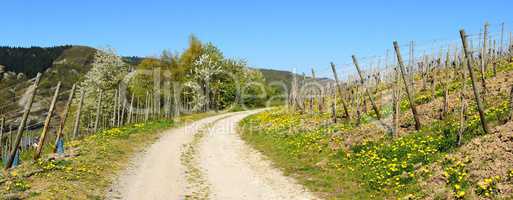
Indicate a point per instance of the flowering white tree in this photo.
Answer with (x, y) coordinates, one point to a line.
(203, 70)
(107, 71)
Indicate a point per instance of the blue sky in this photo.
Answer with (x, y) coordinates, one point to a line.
(268, 34)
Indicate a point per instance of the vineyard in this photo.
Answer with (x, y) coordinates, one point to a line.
(256, 100)
(437, 126)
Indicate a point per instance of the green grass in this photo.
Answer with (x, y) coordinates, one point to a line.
(90, 173)
(369, 170)
(306, 158)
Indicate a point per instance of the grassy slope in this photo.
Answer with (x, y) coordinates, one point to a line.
(88, 175)
(309, 151)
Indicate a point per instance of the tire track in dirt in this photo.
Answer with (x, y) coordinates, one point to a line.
(236, 171)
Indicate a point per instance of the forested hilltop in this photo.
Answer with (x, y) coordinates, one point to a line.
(30, 60)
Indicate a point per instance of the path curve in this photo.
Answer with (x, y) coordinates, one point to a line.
(227, 167)
(238, 172)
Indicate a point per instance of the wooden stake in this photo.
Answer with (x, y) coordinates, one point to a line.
(48, 119)
(358, 114)
(501, 48)
(474, 86)
(76, 126)
(131, 109)
(115, 107)
(510, 104)
(462, 118)
(23, 122)
(147, 110)
(339, 87)
(407, 89)
(120, 108)
(123, 108)
(374, 107)
(333, 111)
(98, 111)
(312, 99)
(176, 101)
(2, 125)
(484, 57)
(397, 99)
(64, 117)
(445, 108)
(433, 84)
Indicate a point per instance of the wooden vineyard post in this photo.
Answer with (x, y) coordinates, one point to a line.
(137, 116)
(339, 87)
(484, 57)
(406, 87)
(23, 122)
(463, 110)
(358, 113)
(146, 110)
(445, 108)
(119, 111)
(152, 107)
(321, 100)
(396, 101)
(374, 107)
(510, 104)
(176, 101)
(2, 127)
(501, 47)
(411, 73)
(433, 84)
(98, 111)
(46, 126)
(122, 117)
(302, 99)
(293, 93)
(114, 108)
(474, 86)
(131, 109)
(312, 98)
(63, 120)
(333, 111)
(76, 126)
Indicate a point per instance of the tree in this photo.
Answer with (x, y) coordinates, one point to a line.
(107, 71)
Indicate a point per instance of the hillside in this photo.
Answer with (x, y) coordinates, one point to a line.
(276, 77)
(67, 64)
(30, 60)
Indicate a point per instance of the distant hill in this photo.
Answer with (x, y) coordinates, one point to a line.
(285, 77)
(133, 60)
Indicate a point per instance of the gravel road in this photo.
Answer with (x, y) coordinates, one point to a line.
(205, 160)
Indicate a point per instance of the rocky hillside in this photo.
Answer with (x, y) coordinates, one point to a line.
(67, 64)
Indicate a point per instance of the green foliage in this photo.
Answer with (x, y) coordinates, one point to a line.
(206, 78)
(456, 175)
(391, 165)
(31, 60)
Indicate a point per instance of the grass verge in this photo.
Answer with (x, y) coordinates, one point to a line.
(92, 167)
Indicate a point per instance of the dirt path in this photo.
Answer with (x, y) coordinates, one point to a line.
(237, 171)
(157, 173)
(205, 160)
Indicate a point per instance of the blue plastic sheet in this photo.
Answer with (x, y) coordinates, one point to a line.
(60, 146)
